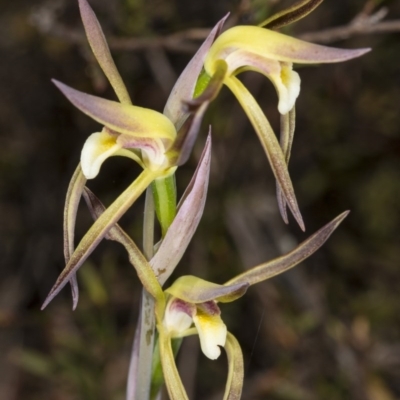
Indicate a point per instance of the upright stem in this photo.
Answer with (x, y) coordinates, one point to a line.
(160, 198)
(142, 352)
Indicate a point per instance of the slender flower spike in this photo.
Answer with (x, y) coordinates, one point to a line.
(192, 301)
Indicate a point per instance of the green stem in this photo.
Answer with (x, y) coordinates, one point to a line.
(164, 192)
(160, 199)
(146, 326)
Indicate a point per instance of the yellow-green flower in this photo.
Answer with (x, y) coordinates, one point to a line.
(127, 128)
(194, 301)
(255, 48)
(191, 307)
(139, 133)
(158, 142)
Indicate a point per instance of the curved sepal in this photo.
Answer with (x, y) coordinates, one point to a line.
(196, 290)
(288, 122)
(100, 229)
(173, 382)
(283, 263)
(234, 383)
(145, 273)
(182, 229)
(101, 51)
(74, 194)
(269, 142)
(121, 118)
(276, 46)
(187, 135)
(184, 87)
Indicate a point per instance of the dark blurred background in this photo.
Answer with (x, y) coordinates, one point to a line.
(329, 329)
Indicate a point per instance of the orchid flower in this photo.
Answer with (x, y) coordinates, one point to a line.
(190, 305)
(158, 142)
(255, 48)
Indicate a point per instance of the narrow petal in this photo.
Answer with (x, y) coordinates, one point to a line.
(196, 290)
(122, 118)
(186, 221)
(72, 200)
(276, 46)
(101, 51)
(234, 383)
(99, 229)
(173, 382)
(136, 258)
(300, 253)
(185, 85)
(291, 14)
(212, 332)
(288, 122)
(187, 135)
(184, 142)
(269, 142)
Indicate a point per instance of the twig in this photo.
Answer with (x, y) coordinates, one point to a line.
(363, 23)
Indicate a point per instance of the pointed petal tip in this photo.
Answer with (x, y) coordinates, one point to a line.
(354, 53)
(61, 86)
(45, 303)
(82, 4)
(342, 216)
(299, 220)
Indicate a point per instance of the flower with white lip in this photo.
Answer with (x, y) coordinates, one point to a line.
(194, 301)
(158, 142)
(192, 308)
(139, 133)
(255, 48)
(190, 305)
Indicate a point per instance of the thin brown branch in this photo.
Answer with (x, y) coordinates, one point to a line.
(186, 41)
